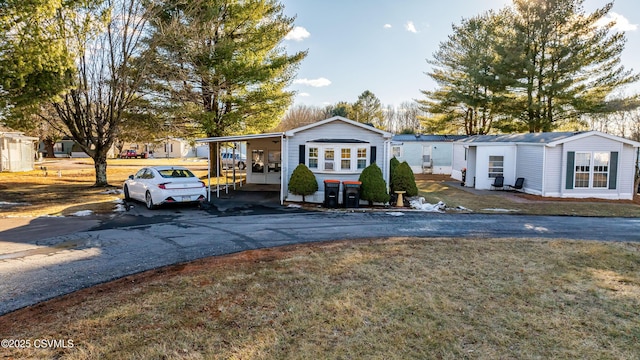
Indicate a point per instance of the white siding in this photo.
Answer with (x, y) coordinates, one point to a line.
(554, 173)
(459, 161)
(529, 165)
(482, 179)
(625, 177)
(332, 130)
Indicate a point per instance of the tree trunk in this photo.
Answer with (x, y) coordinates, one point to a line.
(100, 164)
(48, 147)
(214, 159)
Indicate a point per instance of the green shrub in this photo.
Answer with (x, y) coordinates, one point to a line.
(373, 188)
(302, 181)
(393, 165)
(404, 180)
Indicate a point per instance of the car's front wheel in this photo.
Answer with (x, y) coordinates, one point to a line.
(149, 201)
(241, 165)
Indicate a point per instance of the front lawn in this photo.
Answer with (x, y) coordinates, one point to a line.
(396, 298)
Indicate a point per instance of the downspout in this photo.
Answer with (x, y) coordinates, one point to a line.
(385, 166)
(544, 175)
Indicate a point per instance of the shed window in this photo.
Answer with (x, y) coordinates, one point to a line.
(496, 166)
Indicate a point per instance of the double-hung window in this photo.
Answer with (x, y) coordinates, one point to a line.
(591, 170)
(362, 158)
(345, 159)
(329, 159)
(313, 158)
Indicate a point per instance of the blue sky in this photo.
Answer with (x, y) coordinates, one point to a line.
(383, 45)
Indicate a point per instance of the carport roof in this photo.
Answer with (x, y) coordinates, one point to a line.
(234, 138)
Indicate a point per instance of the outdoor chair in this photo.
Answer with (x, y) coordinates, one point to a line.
(498, 182)
(518, 185)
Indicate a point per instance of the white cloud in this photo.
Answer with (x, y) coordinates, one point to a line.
(622, 23)
(319, 82)
(304, 94)
(387, 26)
(410, 27)
(298, 33)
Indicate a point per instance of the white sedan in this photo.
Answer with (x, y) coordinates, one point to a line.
(157, 185)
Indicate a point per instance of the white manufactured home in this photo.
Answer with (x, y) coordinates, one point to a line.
(555, 164)
(333, 149)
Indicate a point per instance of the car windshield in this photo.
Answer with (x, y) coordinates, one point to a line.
(176, 173)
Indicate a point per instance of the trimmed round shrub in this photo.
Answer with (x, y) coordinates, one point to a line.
(404, 180)
(303, 182)
(373, 187)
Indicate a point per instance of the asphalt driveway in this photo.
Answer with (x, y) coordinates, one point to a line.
(38, 268)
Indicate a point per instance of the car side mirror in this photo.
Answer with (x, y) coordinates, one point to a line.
(131, 177)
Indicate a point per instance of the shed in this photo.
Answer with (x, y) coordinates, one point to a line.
(425, 154)
(17, 151)
(587, 164)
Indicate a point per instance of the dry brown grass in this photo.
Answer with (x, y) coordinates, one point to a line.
(66, 187)
(381, 299)
(435, 188)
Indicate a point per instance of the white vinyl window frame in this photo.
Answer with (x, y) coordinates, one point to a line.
(496, 166)
(591, 170)
(396, 151)
(337, 157)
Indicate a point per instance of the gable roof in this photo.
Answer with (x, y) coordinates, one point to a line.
(545, 138)
(581, 135)
(383, 133)
(428, 137)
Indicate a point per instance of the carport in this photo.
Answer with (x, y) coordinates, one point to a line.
(264, 160)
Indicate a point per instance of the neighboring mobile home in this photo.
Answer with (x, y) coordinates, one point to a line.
(425, 154)
(587, 164)
(17, 151)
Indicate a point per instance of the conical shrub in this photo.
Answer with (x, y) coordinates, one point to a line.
(303, 182)
(373, 187)
(404, 180)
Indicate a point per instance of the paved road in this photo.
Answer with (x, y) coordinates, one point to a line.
(33, 269)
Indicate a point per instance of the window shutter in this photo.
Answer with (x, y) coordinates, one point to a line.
(571, 160)
(373, 155)
(613, 170)
(301, 154)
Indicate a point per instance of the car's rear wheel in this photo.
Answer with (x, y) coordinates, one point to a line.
(241, 165)
(126, 193)
(149, 201)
